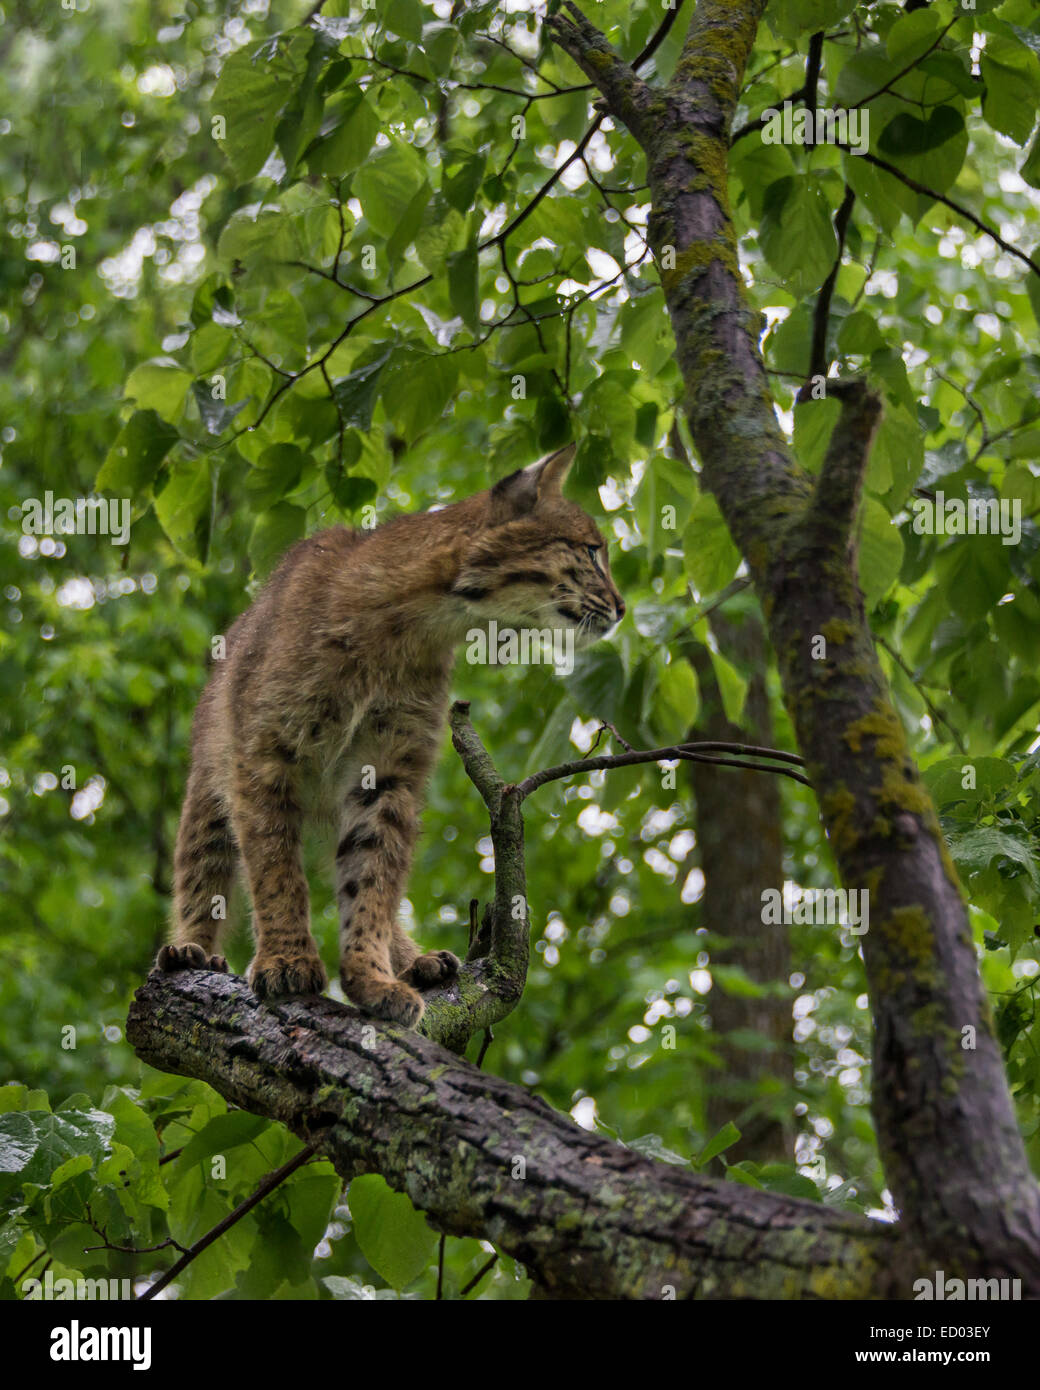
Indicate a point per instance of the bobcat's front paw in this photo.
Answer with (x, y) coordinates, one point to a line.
(271, 977)
(433, 968)
(190, 957)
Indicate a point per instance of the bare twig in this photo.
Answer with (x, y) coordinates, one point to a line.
(679, 752)
(265, 1186)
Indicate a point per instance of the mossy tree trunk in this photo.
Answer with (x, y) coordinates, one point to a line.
(952, 1152)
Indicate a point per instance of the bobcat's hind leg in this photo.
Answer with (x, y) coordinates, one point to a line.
(203, 868)
(377, 830)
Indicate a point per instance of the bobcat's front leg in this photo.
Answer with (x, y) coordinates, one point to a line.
(381, 967)
(267, 817)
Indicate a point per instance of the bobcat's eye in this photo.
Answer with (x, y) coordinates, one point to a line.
(594, 556)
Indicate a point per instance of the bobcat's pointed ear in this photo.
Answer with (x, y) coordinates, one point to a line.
(521, 492)
(553, 469)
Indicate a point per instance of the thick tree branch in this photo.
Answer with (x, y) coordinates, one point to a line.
(588, 1218)
(625, 94)
(840, 484)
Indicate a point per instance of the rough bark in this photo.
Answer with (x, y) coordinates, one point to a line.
(952, 1152)
(588, 1218)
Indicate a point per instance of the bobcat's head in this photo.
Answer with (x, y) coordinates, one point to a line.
(538, 560)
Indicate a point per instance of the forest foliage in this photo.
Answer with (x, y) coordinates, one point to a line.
(261, 276)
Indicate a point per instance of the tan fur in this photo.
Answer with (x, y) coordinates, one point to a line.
(343, 663)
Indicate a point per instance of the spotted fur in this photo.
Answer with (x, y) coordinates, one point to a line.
(332, 701)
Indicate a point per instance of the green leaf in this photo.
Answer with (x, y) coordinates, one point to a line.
(409, 223)
(931, 150)
(221, 1133)
(1012, 77)
(733, 687)
(653, 1146)
(911, 36)
(814, 423)
(597, 683)
(460, 187)
(442, 233)
(880, 553)
(462, 286)
(678, 698)
(160, 385)
(312, 1194)
(945, 779)
(215, 412)
(348, 491)
(796, 233)
(355, 393)
(347, 145)
(711, 557)
(386, 185)
(897, 456)
(974, 849)
(257, 235)
(133, 460)
(33, 1144)
(71, 1168)
(303, 112)
(249, 96)
(185, 507)
(416, 387)
(273, 533)
(394, 1238)
(344, 1289)
(404, 18)
(727, 1136)
(211, 347)
(553, 745)
(274, 475)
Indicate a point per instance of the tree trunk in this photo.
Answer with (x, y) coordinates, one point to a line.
(952, 1152)
(738, 836)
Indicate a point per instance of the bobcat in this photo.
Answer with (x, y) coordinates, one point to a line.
(343, 664)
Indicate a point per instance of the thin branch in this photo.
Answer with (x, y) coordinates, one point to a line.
(864, 101)
(484, 1269)
(658, 37)
(547, 186)
(603, 728)
(676, 753)
(265, 1186)
(818, 362)
(486, 1042)
(958, 208)
(136, 1249)
(937, 716)
(812, 77)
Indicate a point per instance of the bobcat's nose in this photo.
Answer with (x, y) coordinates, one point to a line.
(619, 607)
